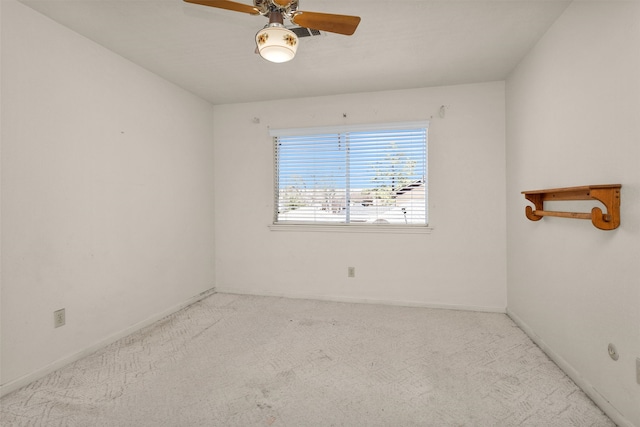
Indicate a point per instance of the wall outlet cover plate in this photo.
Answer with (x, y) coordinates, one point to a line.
(59, 318)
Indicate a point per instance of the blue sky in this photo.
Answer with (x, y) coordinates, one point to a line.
(323, 158)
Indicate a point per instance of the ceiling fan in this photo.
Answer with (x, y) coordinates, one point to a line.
(276, 43)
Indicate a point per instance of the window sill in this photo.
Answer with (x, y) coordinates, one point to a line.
(332, 228)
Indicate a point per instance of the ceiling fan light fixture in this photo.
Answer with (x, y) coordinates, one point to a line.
(277, 43)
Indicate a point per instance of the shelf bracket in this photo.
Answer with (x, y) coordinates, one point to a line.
(608, 195)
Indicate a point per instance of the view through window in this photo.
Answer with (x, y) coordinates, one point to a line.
(352, 175)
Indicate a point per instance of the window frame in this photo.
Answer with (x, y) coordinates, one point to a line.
(351, 226)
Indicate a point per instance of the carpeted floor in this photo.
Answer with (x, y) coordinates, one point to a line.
(233, 360)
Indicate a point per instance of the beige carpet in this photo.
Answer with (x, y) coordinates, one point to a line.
(234, 360)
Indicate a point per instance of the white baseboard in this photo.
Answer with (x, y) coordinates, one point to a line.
(338, 298)
(577, 378)
(29, 378)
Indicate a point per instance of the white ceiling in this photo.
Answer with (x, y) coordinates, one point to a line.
(399, 44)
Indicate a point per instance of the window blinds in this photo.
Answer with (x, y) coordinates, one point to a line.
(365, 175)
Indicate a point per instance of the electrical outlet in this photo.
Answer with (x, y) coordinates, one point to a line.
(351, 272)
(59, 318)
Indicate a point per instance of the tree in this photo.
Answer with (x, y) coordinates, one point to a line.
(292, 196)
(392, 173)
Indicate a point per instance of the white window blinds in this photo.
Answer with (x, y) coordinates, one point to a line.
(352, 175)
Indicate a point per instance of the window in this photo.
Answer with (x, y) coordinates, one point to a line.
(352, 175)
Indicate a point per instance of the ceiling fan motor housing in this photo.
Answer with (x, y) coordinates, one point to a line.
(286, 7)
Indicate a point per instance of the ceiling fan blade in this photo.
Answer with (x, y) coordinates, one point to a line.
(341, 24)
(226, 4)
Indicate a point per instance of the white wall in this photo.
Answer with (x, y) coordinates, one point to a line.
(460, 264)
(573, 118)
(107, 188)
(0, 194)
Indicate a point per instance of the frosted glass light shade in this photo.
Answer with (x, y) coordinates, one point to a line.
(276, 43)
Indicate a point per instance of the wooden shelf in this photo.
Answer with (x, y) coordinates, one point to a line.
(609, 195)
